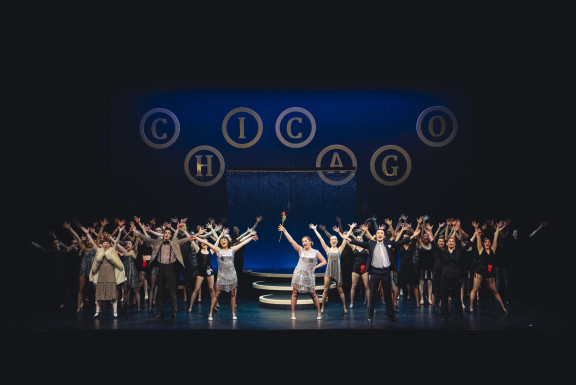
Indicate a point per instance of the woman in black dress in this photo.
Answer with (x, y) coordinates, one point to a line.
(438, 256)
(486, 262)
(425, 266)
(204, 257)
(407, 270)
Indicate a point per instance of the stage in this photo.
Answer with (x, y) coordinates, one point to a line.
(263, 338)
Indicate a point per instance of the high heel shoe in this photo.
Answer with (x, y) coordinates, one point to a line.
(115, 315)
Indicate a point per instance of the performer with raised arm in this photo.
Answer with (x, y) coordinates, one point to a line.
(166, 253)
(333, 267)
(87, 253)
(486, 262)
(379, 265)
(304, 278)
(204, 267)
(227, 277)
(107, 272)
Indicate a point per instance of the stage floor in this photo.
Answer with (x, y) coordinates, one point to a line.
(269, 338)
(253, 316)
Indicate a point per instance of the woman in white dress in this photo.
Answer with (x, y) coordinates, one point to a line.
(303, 278)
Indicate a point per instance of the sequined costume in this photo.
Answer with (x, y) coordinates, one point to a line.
(227, 279)
(86, 261)
(304, 278)
(130, 269)
(333, 269)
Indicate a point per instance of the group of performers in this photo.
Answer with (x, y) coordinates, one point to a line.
(438, 266)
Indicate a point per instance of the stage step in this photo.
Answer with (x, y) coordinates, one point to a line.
(283, 287)
(282, 301)
(275, 273)
(278, 288)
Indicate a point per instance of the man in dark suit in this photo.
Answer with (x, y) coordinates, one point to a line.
(166, 253)
(381, 262)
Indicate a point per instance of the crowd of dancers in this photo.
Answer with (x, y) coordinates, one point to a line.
(133, 264)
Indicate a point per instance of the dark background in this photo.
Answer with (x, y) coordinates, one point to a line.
(61, 61)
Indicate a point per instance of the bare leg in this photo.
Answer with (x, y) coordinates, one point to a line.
(492, 286)
(81, 288)
(317, 303)
(342, 298)
(233, 302)
(475, 288)
(366, 288)
(199, 280)
(327, 281)
(213, 302)
(293, 301)
(355, 277)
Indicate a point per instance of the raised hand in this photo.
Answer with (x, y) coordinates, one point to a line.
(312, 226)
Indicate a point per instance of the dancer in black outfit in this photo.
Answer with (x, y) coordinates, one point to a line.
(425, 267)
(438, 255)
(486, 263)
(380, 262)
(407, 271)
(451, 278)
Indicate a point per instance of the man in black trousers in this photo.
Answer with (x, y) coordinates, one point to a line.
(381, 262)
(167, 254)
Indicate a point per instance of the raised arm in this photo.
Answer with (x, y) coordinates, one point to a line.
(258, 220)
(501, 225)
(364, 227)
(324, 246)
(323, 228)
(295, 245)
(477, 231)
(239, 245)
(210, 246)
(542, 224)
(66, 225)
(389, 223)
(344, 240)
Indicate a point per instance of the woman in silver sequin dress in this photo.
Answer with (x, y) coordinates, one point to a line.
(333, 268)
(128, 256)
(226, 280)
(303, 278)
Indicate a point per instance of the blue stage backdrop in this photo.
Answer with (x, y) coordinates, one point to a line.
(316, 154)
